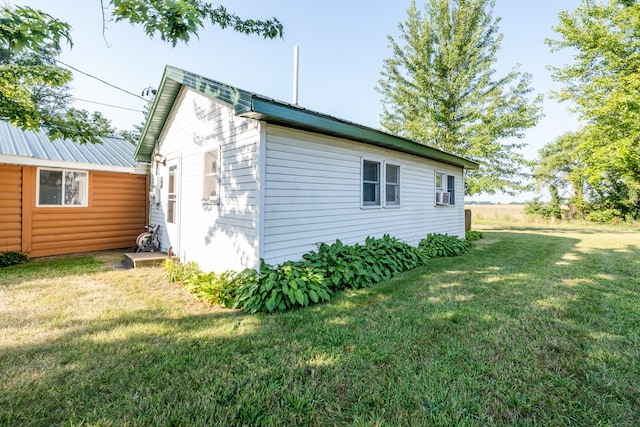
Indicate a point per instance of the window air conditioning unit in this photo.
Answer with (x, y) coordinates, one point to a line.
(442, 197)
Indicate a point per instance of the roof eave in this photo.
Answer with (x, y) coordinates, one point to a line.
(278, 113)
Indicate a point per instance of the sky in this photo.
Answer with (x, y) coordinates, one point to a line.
(342, 47)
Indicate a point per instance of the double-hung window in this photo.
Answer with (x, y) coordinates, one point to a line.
(380, 184)
(370, 183)
(211, 184)
(58, 187)
(445, 189)
(392, 185)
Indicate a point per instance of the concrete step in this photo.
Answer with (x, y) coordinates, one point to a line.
(144, 259)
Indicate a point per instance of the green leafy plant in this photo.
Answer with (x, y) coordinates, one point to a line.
(220, 288)
(177, 272)
(292, 284)
(535, 208)
(604, 216)
(213, 288)
(473, 235)
(444, 245)
(359, 266)
(8, 258)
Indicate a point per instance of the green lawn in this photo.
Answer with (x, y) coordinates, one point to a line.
(535, 326)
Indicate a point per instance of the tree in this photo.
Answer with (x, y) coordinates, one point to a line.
(603, 83)
(179, 20)
(439, 89)
(31, 39)
(561, 168)
(33, 90)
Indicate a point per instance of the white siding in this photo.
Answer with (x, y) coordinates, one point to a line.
(222, 236)
(313, 194)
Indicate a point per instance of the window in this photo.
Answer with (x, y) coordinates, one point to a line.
(172, 205)
(445, 189)
(440, 181)
(392, 185)
(370, 183)
(451, 188)
(211, 174)
(62, 188)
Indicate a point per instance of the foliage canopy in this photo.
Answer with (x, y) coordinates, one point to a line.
(603, 85)
(439, 88)
(30, 78)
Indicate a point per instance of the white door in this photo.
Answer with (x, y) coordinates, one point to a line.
(172, 214)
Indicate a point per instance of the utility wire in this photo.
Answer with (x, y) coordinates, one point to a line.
(100, 80)
(108, 105)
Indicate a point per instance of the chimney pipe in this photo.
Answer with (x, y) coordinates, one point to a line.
(295, 74)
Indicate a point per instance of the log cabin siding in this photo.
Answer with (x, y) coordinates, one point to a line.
(10, 208)
(117, 212)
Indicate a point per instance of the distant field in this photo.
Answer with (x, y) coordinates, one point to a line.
(492, 214)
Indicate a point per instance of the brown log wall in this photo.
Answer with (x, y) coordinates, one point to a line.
(10, 208)
(117, 212)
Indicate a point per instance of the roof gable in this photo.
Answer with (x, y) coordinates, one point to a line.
(252, 105)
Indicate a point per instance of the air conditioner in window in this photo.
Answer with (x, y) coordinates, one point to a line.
(442, 197)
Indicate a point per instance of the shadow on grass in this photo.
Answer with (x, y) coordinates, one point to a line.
(530, 330)
(565, 228)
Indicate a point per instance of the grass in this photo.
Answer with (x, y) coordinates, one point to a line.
(535, 326)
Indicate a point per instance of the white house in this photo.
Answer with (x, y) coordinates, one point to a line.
(236, 177)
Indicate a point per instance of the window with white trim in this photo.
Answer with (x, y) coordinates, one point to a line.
(59, 187)
(392, 185)
(211, 178)
(445, 189)
(370, 183)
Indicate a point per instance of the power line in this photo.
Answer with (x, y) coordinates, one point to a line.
(100, 80)
(108, 105)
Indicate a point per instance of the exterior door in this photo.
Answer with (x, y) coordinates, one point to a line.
(172, 214)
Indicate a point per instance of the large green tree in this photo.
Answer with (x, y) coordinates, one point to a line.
(603, 83)
(33, 89)
(561, 169)
(440, 88)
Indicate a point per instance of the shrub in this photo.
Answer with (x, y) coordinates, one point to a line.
(211, 287)
(313, 280)
(359, 266)
(443, 245)
(535, 208)
(13, 258)
(604, 216)
(473, 235)
(289, 285)
(177, 272)
(220, 288)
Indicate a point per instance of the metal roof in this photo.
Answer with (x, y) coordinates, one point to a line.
(115, 152)
(252, 105)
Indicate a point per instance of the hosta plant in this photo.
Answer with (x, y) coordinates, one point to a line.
(443, 245)
(287, 286)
